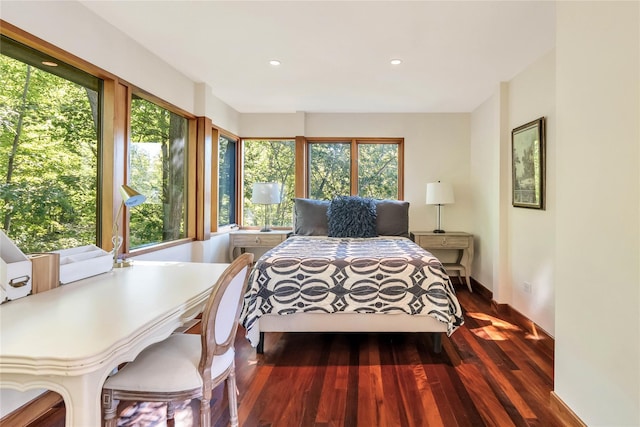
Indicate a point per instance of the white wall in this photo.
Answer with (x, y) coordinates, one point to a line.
(208, 105)
(436, 148)
(104, 46)
(82, 33)
(87, 36)
(484, 170)
(213, 250)
(531, 232)
(436, 145)
(514, 245)
(597, 155)
(10, 399)
(597, 353)
(285, 125)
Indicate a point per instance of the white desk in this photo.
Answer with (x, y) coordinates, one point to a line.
(70, 338)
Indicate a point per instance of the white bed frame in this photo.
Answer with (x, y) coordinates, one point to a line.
(351, 322)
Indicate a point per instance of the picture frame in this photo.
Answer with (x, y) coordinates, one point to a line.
(528, 165)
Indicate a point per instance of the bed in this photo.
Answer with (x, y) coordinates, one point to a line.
(349, 267)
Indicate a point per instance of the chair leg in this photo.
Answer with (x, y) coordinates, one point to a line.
(110, 406)
(233, 398)
(205, 412)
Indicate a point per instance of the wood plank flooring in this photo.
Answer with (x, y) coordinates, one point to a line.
(490, 373)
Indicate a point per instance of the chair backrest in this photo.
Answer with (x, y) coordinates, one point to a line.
(221, 314)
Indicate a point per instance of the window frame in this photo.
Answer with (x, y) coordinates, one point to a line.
(113, 154)
(190, 179)
(302, 165)
(217, 133)
(240, 177)
(65, 68)
(354, 144)
(202, 163)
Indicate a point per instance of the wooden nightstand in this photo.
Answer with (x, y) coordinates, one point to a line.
(451, 240)
(244, 239)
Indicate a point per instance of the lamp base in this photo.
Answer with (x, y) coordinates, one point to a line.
(438, 231)
(265, 230)
(122, 263)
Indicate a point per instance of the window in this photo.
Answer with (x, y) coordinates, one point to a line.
(329, 170)
(226, 181)
(158, 169)
(50, 127)
(269, 161)
(378, 170)
(369, 168)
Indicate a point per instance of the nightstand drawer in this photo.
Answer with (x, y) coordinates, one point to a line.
(435, 242)
(258, 240)
(241, 240)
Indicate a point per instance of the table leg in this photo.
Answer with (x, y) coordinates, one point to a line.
(81, 393)
(82, 400)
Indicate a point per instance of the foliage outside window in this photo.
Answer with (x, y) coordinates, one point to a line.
(329, 170)
(378, 170)
(269, 161)
(50, 119)
(158, 159)
(331, 165)
(226, 181)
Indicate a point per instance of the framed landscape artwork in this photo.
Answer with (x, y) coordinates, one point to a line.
(528, 164)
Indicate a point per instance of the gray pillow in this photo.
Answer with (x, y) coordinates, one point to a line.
(310, 217)
(392, 218)
(351, 216)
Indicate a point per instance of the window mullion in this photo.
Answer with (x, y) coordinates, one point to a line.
(354, 167)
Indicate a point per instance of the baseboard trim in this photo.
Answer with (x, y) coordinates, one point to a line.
(561, 409)
(33, 410)
(564, 412)
(531, 327)
(477, 287)
(516, 317)
(499, 308)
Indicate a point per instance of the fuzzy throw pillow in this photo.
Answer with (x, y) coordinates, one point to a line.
(352, 216)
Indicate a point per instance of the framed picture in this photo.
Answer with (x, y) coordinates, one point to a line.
(528, 164)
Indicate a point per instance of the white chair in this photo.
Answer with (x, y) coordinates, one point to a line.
(188, 366)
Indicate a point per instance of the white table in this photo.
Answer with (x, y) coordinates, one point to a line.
(70, 338)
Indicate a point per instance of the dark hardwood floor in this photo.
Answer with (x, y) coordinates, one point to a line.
(490, 373)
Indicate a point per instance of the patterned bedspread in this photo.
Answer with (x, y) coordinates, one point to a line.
(313, 274)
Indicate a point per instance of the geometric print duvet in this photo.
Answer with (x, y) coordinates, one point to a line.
(317, 274)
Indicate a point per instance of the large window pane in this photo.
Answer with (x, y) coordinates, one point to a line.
(269, 161)
(50, 119)
(378, 170)
(331, 164)
(226, 181)
(158, 155)
(329, 170)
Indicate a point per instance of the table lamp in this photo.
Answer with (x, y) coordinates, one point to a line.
(439, 194)
(266, 193)
(130, 199)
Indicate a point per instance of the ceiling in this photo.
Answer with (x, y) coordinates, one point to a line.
(335, 54)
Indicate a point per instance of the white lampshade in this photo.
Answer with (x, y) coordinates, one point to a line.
(439, 193)
(265, 193)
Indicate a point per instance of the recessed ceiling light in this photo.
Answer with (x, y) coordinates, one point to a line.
(396, 61)
(274, 62)
(49, 63)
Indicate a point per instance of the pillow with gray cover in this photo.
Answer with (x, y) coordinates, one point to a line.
(392, 218)
(310, 217)
(352, 216)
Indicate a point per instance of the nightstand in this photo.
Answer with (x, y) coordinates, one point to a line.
(244, 239)
(457, 241)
